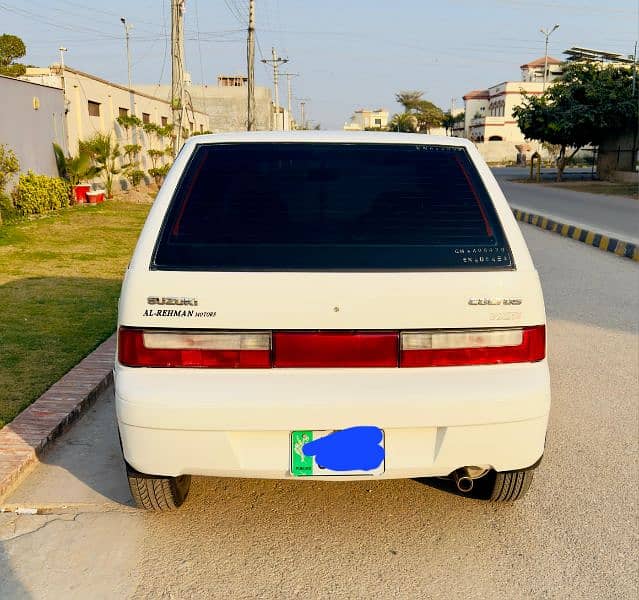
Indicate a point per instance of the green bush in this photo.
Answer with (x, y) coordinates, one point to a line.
(37, 194)
(159, 173)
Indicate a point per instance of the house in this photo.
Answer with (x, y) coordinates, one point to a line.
(226, 104)
(93, 104)
(365, 118)
(489, 120)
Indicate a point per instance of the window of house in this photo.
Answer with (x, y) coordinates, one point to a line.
(378, 122)
(123, 112)
(201, 128)
(146, 117)
(165, 121)
(191, 126)
(94, 108)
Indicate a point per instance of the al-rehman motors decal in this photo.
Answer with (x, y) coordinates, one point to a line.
(175, 312)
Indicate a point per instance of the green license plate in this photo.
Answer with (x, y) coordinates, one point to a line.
(306, 466)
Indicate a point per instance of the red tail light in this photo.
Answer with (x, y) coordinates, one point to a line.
(140, 348)
(325, 349)
(335, 349)
(473, 347)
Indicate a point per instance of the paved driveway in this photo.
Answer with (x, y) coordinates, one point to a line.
(574, 536)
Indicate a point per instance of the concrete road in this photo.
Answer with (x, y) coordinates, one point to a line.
(615, 216)
(573, 536)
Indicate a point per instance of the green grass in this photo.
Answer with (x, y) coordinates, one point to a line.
(60, 279)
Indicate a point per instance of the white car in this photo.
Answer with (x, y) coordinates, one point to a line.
(336, 306)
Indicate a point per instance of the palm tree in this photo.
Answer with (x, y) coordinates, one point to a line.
(409, 99)
(403, 122)
(104, 153)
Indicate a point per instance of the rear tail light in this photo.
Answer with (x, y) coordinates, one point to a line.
(140, 348)
(335, 349)
(472, 347)
(324, 349)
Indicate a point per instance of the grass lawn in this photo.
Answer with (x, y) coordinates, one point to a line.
(594, 187)
(59, 285)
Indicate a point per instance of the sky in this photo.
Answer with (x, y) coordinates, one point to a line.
(349, 54)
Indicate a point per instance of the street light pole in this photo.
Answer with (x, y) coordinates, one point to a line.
(127, 31)
(62, 51)
(547, 35)
(289, 93)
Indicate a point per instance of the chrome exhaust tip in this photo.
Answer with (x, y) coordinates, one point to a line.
(463, 480)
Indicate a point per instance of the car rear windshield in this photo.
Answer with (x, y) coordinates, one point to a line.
(329, 206)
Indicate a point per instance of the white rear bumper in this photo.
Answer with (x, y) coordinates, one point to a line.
(238, 422)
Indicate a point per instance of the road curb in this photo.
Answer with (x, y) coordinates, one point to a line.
(592, 238)
(25, 439)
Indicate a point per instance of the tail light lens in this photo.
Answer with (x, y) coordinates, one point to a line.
(472, 347)
(148, 348)
(335, 349)
(324, 349)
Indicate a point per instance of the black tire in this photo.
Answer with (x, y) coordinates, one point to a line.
(157, 493)
(509, 486)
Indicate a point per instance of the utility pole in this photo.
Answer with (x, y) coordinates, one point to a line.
(276, 61)
(127, 35)
(250, 60)
(65, 136)
(547, 35)
(303, 102)
(289, 92)
(177, 70)
(634, 70)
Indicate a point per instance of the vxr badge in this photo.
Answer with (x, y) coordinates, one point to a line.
(494, 301)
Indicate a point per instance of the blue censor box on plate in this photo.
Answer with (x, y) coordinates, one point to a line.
(355, 448)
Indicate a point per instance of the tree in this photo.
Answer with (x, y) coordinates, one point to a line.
(409, 99)
(425, 113)
(448, 122)
(428, 116)
(403, 122)
(589, 104)
(11, 48)
(104, 153)
(74, 169)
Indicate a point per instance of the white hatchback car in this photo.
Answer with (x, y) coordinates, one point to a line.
(333, 306)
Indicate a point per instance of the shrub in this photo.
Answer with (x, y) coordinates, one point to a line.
(8, 165)
(37, 194)
(134, 176)
(159, 173)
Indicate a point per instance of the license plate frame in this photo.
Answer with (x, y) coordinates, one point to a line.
(306, 466)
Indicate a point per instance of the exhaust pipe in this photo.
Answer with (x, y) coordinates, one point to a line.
(463, 480)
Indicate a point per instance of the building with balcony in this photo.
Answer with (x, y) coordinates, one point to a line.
(489, 120)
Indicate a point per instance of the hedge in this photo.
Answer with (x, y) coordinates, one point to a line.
(37, 194)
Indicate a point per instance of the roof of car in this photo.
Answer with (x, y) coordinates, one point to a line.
(353, 137)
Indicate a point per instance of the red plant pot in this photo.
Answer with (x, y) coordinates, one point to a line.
(92, 197)
(80, 192)
(100, 196)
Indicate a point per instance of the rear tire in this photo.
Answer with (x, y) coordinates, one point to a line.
(511, 485)
(157, 493)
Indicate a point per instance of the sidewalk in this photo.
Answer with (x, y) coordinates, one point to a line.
(27, 436)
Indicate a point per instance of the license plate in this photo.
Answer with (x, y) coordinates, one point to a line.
(362, 450)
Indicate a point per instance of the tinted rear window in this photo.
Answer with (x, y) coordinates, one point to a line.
(336, 207)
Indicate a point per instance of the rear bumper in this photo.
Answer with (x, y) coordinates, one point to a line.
(238, 423)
